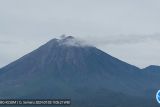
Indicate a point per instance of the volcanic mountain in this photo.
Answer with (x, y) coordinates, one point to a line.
(67, 68)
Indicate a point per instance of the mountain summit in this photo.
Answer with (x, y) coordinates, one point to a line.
(68, 68)
(69, 41)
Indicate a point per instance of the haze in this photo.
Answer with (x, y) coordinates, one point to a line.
(126, 29)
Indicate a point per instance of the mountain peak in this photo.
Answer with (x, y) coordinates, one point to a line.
(69, 41)
(152, 68)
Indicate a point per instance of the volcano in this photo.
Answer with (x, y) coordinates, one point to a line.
(67, 68)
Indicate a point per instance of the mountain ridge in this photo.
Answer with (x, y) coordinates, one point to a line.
(64, 38)
(65, 68)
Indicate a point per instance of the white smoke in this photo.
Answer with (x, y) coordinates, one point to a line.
(71, 41)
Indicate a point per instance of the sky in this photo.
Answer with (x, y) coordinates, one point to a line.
(126, 29)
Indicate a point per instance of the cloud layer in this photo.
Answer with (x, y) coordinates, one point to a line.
(116, 26)
(125, 39)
